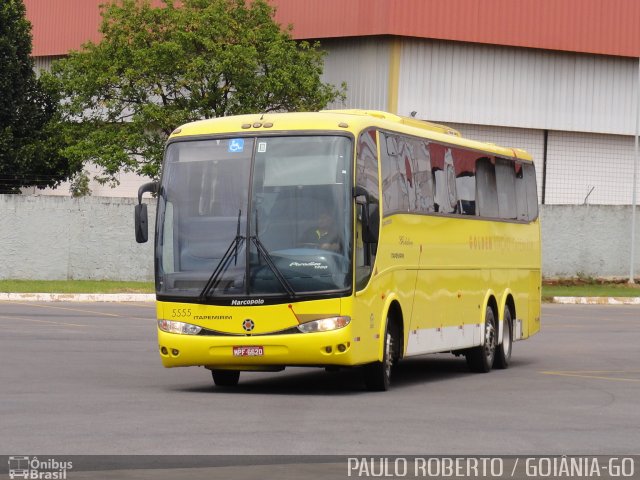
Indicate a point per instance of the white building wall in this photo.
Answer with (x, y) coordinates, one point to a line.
(590, 168)
(509, 96)
(518, 87)
(43, 63)
(503, 95)
(363, 63)
(127, 187)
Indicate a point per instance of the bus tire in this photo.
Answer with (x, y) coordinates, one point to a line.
(377, 375)
(480, 358)
(225, 378)
(503, 352)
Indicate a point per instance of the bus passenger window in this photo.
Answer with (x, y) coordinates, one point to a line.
(526, 192)
(505, 183)
(366, 177)
(444, 176)
(465, 169)
(532, 191)
(423, 177)
(395, 184)
(521, 193)
(486, 188)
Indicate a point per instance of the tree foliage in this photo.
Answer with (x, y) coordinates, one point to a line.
(30, 140)
(159, 67)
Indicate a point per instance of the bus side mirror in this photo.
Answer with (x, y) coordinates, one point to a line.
(141, 217)
(142, 224)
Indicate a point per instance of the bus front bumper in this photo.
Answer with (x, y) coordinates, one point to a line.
(258, 352)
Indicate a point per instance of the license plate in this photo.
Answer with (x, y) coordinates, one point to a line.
(248, 351)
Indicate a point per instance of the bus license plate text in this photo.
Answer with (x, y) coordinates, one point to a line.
(248, 351)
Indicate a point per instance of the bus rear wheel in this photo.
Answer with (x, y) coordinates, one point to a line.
(480, 358)
(377, 375)
(225, 378)
(503, 352)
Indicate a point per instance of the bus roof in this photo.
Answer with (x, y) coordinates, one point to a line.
(340, 121)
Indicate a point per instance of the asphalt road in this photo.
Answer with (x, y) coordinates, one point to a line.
(87, 379)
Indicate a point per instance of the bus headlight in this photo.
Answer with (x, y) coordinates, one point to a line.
(182, 328)
(324, 324)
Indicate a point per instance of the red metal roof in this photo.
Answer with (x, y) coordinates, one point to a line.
(608, 27)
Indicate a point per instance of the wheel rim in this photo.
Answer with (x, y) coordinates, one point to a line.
(506, 338)
(489, 339)
(388, 359)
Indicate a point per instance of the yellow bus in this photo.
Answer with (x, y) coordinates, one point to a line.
(341, 238)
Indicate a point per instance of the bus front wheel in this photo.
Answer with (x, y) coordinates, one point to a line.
(377, 375)
(480, 358)
(225, 378)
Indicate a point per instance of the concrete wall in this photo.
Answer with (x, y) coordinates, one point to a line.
(51, 238)
(93, 238)
(594, 240)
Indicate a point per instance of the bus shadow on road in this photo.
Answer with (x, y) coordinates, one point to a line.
(349, 381)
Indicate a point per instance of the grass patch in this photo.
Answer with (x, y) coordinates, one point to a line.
(74, 286)
(580, 287)
(550, 288)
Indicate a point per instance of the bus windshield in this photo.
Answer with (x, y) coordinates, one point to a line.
(255, 216)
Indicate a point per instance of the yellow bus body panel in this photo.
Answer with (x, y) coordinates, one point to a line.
(345, 346)
(440, 271)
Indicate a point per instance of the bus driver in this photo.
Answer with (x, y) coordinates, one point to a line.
(324, 234)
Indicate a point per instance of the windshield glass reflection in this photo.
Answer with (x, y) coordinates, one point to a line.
(291, 237)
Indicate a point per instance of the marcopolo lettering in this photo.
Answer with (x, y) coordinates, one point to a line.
(255, 301)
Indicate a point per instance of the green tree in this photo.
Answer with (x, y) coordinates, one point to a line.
(30, 140)
(159, 67)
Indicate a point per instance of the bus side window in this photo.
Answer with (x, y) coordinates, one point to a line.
(526, 192)
(487, 193)
(506, 186)
(395, 193)
(407, 178)
(465, 173)
(521, 193)
(366, 177)
(422, 177)
(532, 191)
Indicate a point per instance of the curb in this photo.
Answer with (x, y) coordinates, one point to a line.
(78, 297)
(597, 300)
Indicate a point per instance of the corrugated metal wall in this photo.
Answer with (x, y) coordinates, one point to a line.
(468, 83)
(43, 63)
(588, 168)
(364, 64)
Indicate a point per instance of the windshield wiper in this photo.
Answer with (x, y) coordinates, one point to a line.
(232, 251)
(262, 251)
(269, 261)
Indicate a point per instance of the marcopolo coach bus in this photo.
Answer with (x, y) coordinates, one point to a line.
(341, 239)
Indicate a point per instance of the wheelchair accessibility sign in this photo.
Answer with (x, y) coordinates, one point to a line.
(236, 145)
